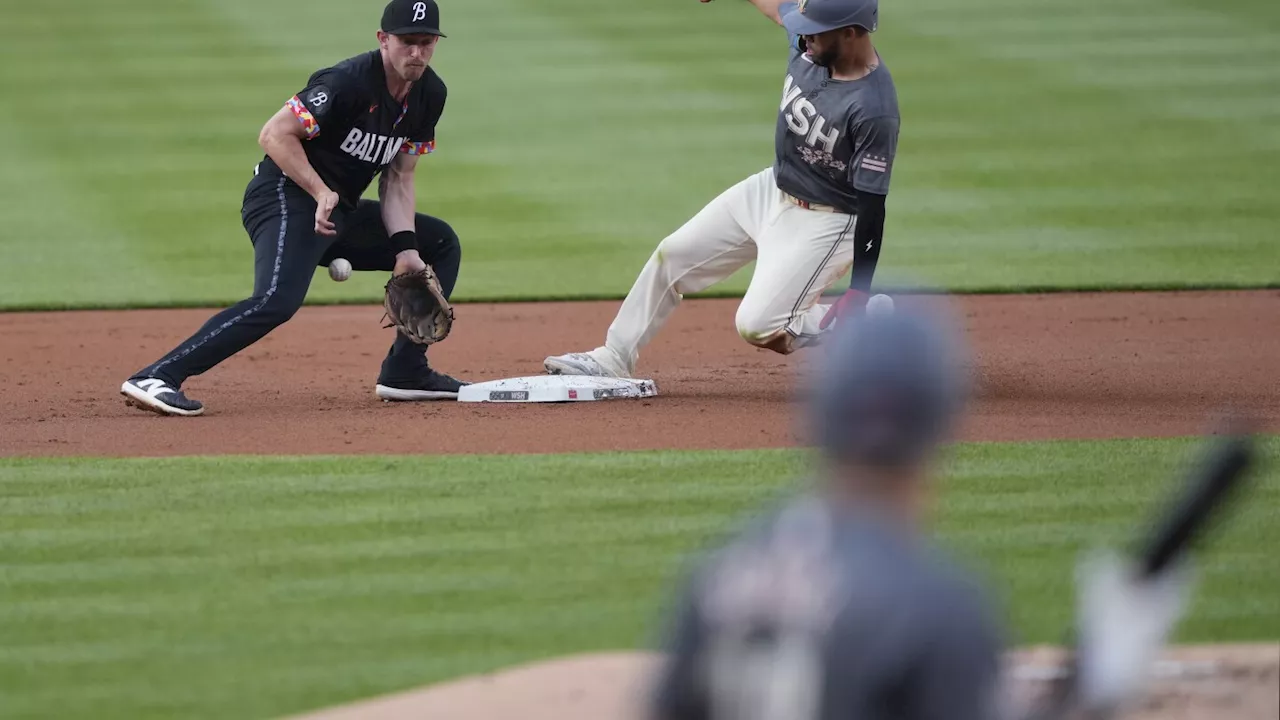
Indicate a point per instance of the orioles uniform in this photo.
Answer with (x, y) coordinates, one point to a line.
(352, 130)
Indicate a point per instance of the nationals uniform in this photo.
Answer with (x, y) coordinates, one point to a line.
(353, 129)
(805, 221)
(837, 605)
(824, 613)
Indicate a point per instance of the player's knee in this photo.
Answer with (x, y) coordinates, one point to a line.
(764, 332)
(440, 247)
(439, 235)
(279, 306)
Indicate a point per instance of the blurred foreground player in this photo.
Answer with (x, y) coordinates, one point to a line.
(836, 605)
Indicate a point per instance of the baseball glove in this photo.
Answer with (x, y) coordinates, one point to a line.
(416, 306)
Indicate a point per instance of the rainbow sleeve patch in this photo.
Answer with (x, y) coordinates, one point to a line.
(304, 116)
(419, 148)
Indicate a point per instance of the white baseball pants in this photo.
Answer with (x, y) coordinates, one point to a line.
(799, 253)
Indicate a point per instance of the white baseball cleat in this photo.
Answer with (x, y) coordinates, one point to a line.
(158, 396)
(582, 364)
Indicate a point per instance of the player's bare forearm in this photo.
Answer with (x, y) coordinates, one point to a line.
(396, 191)
(770, 8)
(281, 139)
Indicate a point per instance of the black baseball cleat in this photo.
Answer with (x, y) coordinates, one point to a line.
(429, 385)
(158, 396)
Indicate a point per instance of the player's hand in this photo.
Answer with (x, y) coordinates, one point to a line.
(408, 261)
(851, 302)
(326, 201)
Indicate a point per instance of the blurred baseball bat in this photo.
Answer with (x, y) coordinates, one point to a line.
(1220, 470)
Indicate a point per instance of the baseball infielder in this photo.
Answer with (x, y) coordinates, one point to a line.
(818, 210)
(374, 114)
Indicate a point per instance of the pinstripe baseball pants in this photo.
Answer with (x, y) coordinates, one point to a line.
(799, 253)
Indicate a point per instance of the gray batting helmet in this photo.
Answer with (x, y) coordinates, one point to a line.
(811, 17)
(889, 387)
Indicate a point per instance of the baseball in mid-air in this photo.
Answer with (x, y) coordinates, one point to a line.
(880, 305)
(340, 269)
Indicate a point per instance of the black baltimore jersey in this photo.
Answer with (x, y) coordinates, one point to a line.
(354, 127)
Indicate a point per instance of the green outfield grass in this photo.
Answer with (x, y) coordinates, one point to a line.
(249, 587)
(1098, 143)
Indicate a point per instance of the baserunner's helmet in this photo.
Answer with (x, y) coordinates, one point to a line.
(812, 17)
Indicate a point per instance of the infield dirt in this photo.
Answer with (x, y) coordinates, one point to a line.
(1089, 365)
(1204, 682)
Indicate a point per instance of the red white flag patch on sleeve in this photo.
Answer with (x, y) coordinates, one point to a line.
(874, 163)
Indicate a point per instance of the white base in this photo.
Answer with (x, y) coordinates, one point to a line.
(557, 388)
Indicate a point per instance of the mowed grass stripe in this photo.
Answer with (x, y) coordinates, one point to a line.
(473, 590)
(1254, 13)
(559, 614)
(89, 701)
(35, 491)
(302, 554)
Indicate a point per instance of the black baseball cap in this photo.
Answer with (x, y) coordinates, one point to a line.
(412, 17)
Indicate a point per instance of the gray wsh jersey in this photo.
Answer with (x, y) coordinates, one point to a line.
(834, 136)
(811, 615)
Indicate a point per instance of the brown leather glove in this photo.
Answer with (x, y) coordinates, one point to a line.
(417, 307)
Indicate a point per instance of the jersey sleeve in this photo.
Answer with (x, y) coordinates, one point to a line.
(328, 101)
(422, 141)
(793, 40)
(875, 142)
